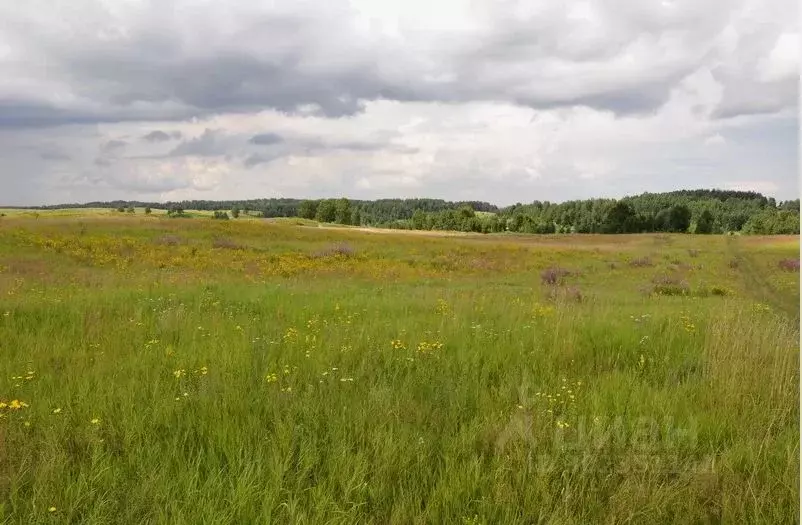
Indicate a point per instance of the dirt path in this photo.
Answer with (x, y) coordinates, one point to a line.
(429, 233)
(759, 287)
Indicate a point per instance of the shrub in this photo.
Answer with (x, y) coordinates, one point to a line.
(220, 215)
(169, 240)
(341, 249)
(226, 243)
(735, 264)
(569, 294)
(789, 265)
(641, 262)
(720, 291)
(553, 276)
(669, 285)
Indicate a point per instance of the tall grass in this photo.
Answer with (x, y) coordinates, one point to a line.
(453, 392)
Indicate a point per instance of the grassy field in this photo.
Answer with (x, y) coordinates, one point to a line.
(194, 371)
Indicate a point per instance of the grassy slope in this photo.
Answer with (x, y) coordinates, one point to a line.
(420, 380)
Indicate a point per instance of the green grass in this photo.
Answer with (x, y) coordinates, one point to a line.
(199, 371)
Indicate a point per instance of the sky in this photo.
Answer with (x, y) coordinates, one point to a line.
(501, 101)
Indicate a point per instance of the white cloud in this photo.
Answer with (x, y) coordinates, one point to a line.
(783, 61)
(715, 140)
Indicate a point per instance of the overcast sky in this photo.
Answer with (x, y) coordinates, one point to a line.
(493, 100)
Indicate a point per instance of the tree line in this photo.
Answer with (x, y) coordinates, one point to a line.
(691, 211)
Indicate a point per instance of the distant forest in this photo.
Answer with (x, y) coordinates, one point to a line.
(691, 211)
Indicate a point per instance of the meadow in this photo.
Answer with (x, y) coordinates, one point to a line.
(157, 370)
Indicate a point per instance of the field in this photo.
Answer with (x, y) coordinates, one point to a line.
(159, 370)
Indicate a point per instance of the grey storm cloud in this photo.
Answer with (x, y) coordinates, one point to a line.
(173, 60)
(490, 99)
(113, 146)
(266, 139)
(208, 144)
(158, 135)
(253, 160)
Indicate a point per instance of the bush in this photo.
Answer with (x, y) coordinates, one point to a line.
(569, 294)
(553, 276)
(341, 249)
(226, 243)
(641, 262)
(789, 265)
(220, 215)
(720, 291)
(670, 285)
(169, 240)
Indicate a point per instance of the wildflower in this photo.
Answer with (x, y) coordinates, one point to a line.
(203, 371)
(51, 509)
(3, 405)
(178, 373)
(95, 421)
(57, 411)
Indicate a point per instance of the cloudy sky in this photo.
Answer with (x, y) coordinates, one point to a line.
(498, 100)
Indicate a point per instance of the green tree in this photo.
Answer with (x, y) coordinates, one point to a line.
(342, 213)
(307, 209)
(704, 224)
(326, 211)
(419, 220)
(620, 218)
(679, 218)
(356, 217)
(234, 212)
(148, 210)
